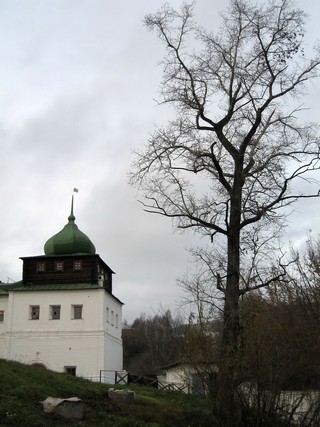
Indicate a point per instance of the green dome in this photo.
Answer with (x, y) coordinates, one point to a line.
(70, 240)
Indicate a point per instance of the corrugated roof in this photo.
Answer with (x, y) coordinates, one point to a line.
(4, 289)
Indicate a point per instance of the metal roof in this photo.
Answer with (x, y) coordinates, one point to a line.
(19, 286)
(70, 240)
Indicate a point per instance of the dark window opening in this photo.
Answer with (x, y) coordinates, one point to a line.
(55, 311)
(34, 312)
(70, 370)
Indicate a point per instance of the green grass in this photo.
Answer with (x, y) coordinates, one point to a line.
(23, 386)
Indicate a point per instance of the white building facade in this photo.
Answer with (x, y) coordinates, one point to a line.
(63, 314)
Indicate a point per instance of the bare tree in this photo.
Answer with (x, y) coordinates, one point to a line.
(231, 157)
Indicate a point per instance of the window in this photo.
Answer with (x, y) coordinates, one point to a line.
(34, 312)
(117, 320)
(112, 317)
(77, 311)
(1, 316)
(41, 267)
(108, 314)
(55, 311)
(77, 265)
(58, 266)
(70, 370)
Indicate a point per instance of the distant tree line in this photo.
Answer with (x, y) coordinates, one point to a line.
(151, 343)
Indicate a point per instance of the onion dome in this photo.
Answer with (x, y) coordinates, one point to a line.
(70, 240)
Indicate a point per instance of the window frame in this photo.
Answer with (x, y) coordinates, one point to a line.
(32, 313)
(70, 370)
(54, 316)
(77, 265)
(75, 308)
(112, 318)
(59, 266)
(41, 267)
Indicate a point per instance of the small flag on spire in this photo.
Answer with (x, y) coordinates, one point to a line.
(75, 190)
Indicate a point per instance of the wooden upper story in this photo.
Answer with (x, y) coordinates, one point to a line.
(66, 269)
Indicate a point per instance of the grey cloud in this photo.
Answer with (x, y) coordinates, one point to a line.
(78, 82)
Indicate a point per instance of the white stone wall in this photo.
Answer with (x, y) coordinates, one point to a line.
(112, 316)
(90, 344)
(4, 308)
(112, 319)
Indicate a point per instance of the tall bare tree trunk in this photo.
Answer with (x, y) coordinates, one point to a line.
(226, 405)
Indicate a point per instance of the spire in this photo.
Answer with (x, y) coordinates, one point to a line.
(71, 216)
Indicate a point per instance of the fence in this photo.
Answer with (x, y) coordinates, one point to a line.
(124, 377)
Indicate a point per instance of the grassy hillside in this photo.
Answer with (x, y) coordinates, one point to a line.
(22, 387)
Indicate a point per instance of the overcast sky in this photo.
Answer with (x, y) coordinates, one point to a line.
(78, 82)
